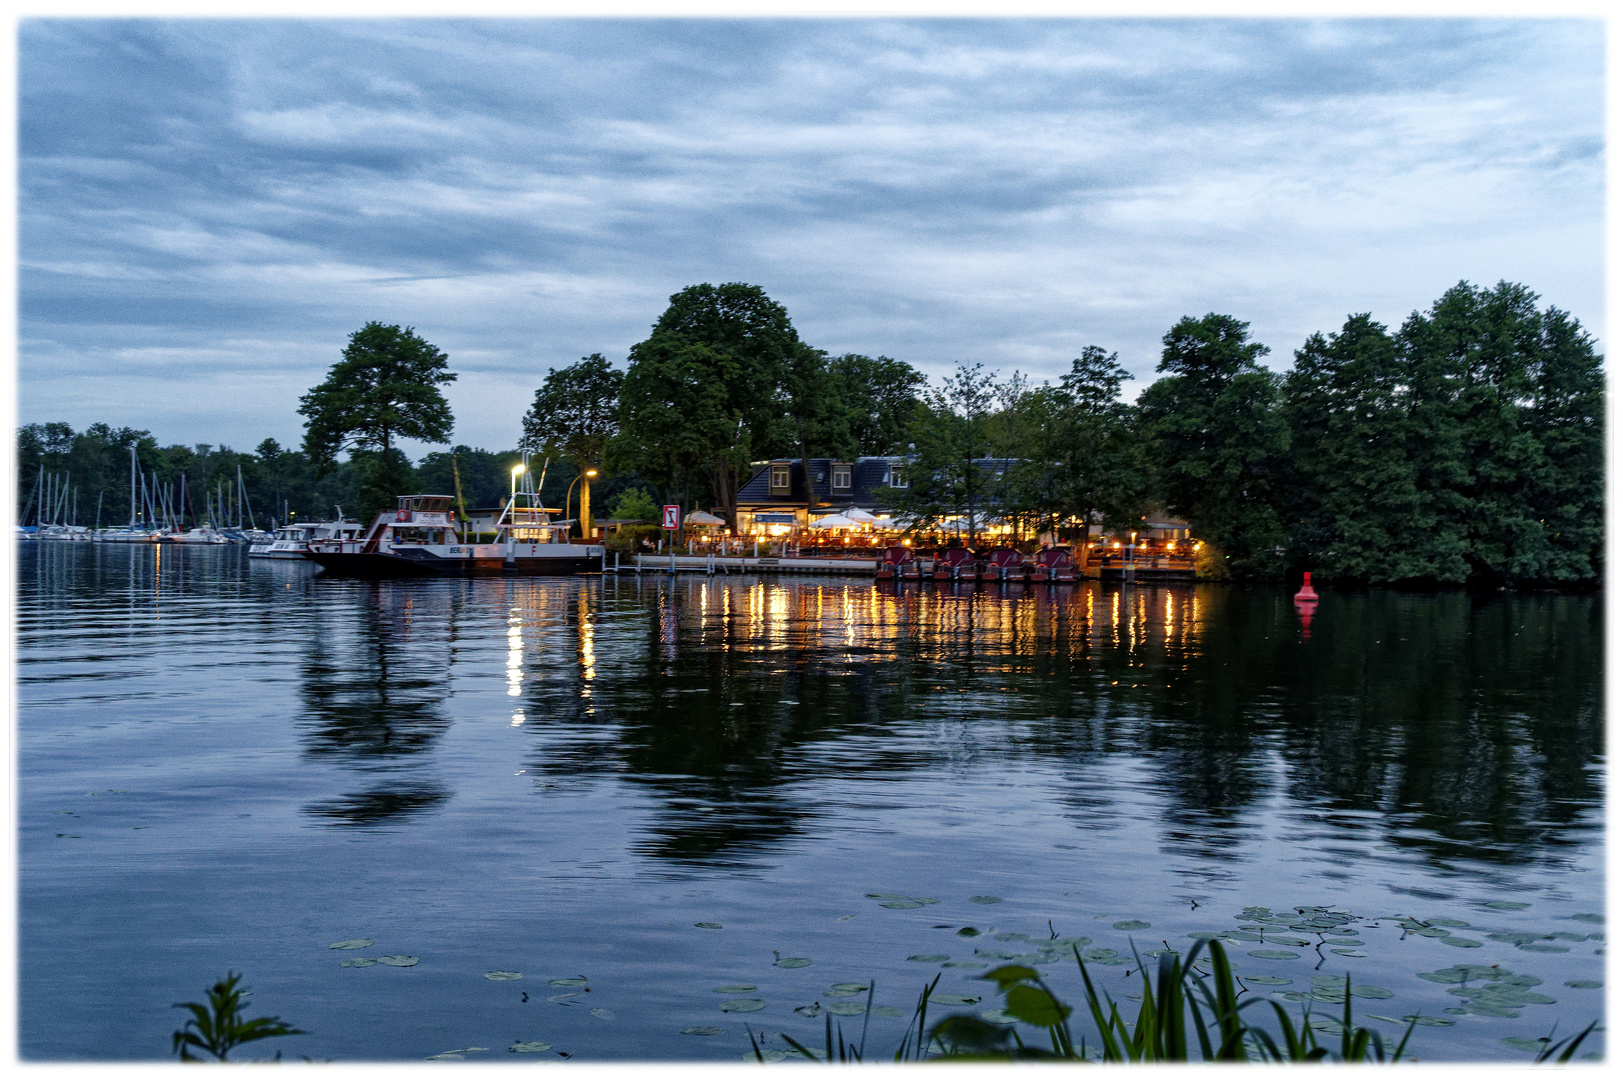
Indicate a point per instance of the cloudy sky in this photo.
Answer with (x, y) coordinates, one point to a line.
(209, 208)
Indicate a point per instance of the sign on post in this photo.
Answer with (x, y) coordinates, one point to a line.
(673, 518)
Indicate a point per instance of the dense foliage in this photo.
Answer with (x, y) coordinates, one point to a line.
(1466, 447)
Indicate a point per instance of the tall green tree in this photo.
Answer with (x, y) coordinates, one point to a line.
(1355, 507)
(385, 387)
(712, 392)
(1218, 441)
(946, 474)
(879, 399)
(1085, 459)
(575, 414)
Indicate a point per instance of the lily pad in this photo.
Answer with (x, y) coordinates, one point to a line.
(708, 925)
(844, 988)
(1585, 984)
(1589, 917)
(1498, 1011)
(352, 943)
(887, 1010)
(1522, 1042)
(929, 958)
(504, 976)
(1506, 905)
(974, 965)
(941, 998)
(359, 961)
(998, 1016)
(1281, 939)
(986, 899)
(1274, 954)
(567, 982)
(887, 896)
(809, 1010)
(901, 904)
(1130, 924)
(1461, 942)
(1427, 1021)
(846, 1008)
(701, 1029)
(1292, 995)
(1361, 991)
(1266, 980)
(398, 961)
(603, 1014)
(528, 1047)
(1516, 939)
(768, 1056)
(1536, 947)
(1099, 954)
(737, 988)
(970, 931)
(792, 962)
(1349, 952)
(1458, 924)
(743, 1005)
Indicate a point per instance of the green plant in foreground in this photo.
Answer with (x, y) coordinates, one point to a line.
(218, 1026)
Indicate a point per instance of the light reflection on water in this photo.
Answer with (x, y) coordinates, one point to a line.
(562, 775)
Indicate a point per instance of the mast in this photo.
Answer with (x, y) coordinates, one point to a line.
(132, 485)
(99, 494)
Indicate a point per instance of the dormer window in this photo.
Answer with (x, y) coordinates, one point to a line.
(842, 478)
(897, 480)
(780, 479)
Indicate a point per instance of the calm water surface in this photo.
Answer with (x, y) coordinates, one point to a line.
(233, 764)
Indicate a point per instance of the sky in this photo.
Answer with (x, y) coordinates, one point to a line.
(207, 209)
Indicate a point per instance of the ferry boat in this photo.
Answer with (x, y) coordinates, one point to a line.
(293, 541)
(418, 539)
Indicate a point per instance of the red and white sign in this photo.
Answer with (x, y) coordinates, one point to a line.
(673, 518)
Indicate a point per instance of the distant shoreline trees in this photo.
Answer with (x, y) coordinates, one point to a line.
(1466, 448)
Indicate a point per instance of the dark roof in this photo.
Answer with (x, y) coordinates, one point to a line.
(870, 483)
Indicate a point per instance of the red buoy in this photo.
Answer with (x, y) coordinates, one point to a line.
(1307, 594)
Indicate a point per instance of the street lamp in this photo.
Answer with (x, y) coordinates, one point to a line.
(518, 471)
(584, 495)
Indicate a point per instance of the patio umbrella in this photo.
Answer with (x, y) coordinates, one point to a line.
(860, 516)
(699, 517)
(833, 521)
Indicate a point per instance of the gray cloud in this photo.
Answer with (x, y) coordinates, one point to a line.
(208, 208)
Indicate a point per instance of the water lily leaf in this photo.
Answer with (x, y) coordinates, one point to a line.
(970, 931)
(1361, 991)
(1202, 935)
(901, 904)
(846, 1008)
(743, 1005)
(973, 965)
(986, 899)
(998, 1016)
(739, 988)
(398, 961)
(1506, 905)
(1427, 1021)
(1585, 984)
(1008, 975)
(1563, 935)
(1292, 995)
(708, 925)
(1274, 954)
(528, 1047)
(1505, 978)
(603, 1014)
(359, 961)
(581, 981)
(1461, 942)
(1589, 917)
(887, 1010)
(1327, 980)
(1455, 923)
(1349, 952)
(809, 1010)
(1522, 1042)
(1014, 935)
(1098, 954)
(504, 976)
(701, 1029)
(1267, 980)
(1429, 931)
(352, 943)
(840, 988)
(1516, 939)
(887, 896)
(1535, 947)
(1130, 924)
(1281, 939)
(792, 962)
(1498, 1011)
(929, 958)
(769, 1056)
(941, 998)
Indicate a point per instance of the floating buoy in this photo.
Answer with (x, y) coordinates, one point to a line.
(1307, 595)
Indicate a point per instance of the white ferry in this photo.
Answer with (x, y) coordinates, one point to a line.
(419, 539)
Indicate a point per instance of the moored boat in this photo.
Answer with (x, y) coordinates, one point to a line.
(293, 541)
(419, 539)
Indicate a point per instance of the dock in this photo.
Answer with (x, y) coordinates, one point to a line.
(741, 564)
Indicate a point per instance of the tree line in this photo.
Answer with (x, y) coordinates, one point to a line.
(1467, 446)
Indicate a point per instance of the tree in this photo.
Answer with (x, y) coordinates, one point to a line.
(1355, 508)
(575, 414)
(635, 504)
(703, 392)
(1218, 441)
(385, 387)
(945, 473)
(1081, 439)
(880, 399)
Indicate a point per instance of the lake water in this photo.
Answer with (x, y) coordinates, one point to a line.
(663, 788)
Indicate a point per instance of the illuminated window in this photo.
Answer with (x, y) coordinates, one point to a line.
(780, 478)
(842, 478)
